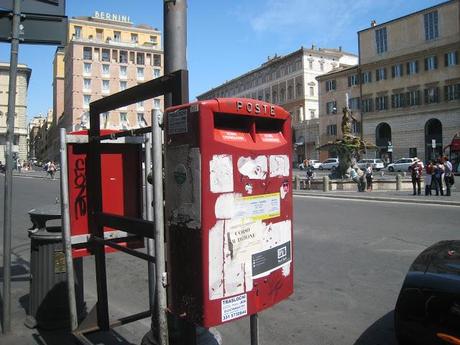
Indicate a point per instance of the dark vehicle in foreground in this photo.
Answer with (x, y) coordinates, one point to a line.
(428, 306)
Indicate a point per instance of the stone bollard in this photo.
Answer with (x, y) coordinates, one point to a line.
(398, 182)
(297, 182)
(325, 183)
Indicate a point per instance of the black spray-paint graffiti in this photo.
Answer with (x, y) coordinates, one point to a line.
(80, 184)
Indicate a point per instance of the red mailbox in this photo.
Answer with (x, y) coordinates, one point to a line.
(228, 208)
(121, 179)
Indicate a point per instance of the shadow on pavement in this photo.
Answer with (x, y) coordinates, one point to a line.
(381, 332)
(65, 337)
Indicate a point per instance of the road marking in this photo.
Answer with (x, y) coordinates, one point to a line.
(399, 201)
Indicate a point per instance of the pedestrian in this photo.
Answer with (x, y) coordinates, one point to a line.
(355, 178)
(18, 165)
(438, 176)
(416, 170)
(309, 176)
(362, 180)
(448, 175)
(428, 177)
(51, 169)
(369, 177)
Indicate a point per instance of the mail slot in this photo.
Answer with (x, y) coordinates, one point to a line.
(228, 208)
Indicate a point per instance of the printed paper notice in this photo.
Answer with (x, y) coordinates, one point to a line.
(234, 307)
(258, 207)
(221, 174)
(177, 122)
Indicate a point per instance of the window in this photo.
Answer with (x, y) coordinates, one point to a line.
(353, 80)
(413, 98)
(452, 92)
(397, 71)
(87, 84)
(87, 53)
(100, 34)
(397, 100)
(105, 55)
(123, 56)
(274, 97)
(140, 59)
(86, 101)
(367, 77)
(86, 68)
(77, 32)
(412, 67)
(310, 64)
(381, 74)
(299, 90)
(353, 103)
(141, 120)
(140, 73)
(156, 72)
(140, 105)
(154, 40)
(331, 130)
(123, 85)
(431, 95)
(105, 69)
(431, 63)
(134, 38)
(321, 65)
(290, 92)
(330, 85)
(123, 117)
(105, 86)
(367, 105)
(123, 71)
(431, 25)
(451, 58)
(117, 36)
(356, 126)
(312, 91)
(282, 95)
(105, 119)
(156, 103)
(381, 40)
(157, 60)
(331, 107)
(381, 103)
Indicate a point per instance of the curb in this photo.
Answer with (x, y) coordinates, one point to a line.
(378, 198)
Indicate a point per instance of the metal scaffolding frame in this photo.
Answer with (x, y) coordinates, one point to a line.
(174, 85)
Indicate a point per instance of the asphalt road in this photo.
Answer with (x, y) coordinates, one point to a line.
(351, 257)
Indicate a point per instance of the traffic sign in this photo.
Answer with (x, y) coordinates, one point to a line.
(50, 7)
(433, 143)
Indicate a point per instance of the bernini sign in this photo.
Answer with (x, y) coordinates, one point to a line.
(112, 16)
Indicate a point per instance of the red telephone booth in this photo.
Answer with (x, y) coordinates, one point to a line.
(228, 208)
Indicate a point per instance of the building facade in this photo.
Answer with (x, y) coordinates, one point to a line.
(105, 54)
(20, 123)
(290, 81)
(407, 84)
(34, 137)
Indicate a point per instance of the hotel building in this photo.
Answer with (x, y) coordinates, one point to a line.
(290, 81)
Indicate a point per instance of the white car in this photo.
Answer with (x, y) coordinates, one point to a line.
(402, 164)
(376, 163)
(329, 163)
(313, 163)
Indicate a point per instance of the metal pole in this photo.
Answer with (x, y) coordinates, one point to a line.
(8, 201)
(66, 236)
(149, 216)
(157, 155)
(254, 321)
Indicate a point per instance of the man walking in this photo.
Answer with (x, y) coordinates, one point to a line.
(448, 175)
(416, 174)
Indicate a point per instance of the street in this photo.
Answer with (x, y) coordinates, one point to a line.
(351, 257)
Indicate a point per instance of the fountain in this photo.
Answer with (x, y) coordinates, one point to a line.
(348, 149)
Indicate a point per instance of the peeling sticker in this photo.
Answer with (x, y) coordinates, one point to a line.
(253, 168)
(221, 174)
(279, 165)
(216, 261)
(286, 269)
(225, 205)
(248, 188)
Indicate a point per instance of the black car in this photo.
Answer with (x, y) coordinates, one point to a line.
(428, 306)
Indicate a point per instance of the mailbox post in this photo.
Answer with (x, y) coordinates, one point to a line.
(228, 209)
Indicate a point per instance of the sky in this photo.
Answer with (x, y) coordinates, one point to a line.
(228, 38)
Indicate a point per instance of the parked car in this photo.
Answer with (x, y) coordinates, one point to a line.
(427, 311)
(313, 163)
(376, 163)
(402, 164)
(329, 163)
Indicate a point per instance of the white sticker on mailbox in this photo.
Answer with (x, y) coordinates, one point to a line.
(234, 307)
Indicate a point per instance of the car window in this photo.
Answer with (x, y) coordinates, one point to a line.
(378, 161)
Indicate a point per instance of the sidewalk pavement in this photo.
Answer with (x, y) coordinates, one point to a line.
(389, 196)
